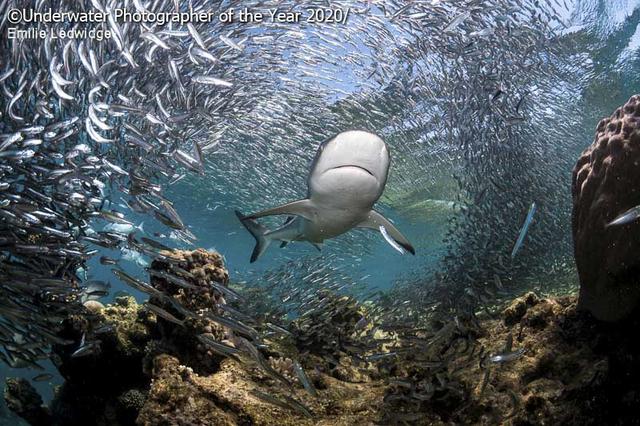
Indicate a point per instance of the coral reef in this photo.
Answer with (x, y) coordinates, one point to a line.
(24, 400)
(553, 365)
(325, 332)
(540, 361)
(574, 369)
(187, 280)
(151, 369)
(109, 384)
(233, 396)
(325, 337)
(96, 385)
(337, 337)
(606, 182)
(516, 309)
(198, 268)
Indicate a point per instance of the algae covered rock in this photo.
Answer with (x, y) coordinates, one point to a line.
(195, 281)
(130, 402)
(237, 395)
(175, 398)
(327, 331)
(24, 400)
(572, 370)
(518, 308)
(94, 383)
(606, 182)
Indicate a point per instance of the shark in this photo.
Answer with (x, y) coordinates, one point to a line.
(346, 178)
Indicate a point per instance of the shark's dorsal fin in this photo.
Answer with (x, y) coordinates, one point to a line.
(304, 208)
(374, 220)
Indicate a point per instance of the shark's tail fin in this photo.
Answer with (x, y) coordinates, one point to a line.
(258, 231)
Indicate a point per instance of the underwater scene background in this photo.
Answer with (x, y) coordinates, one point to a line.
(162, 132)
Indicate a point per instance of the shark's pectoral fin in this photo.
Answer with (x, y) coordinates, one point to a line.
(283, 244)
(304, 208)
(375, 220)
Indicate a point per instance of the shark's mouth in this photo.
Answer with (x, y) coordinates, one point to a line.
(355, 166)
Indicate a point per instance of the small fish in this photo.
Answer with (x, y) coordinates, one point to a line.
(226, 291)
(233, 324)
(520, 102)
(42, 377)
(261, 361)
(485, 382)
(106, 260)
(133, 256)
(515, 401)
(498, 282)
(156, 245)
(627, 217)
(187, 160)
(10, 140)
(203, 53)
(137, 284)
(168, 221)
(497, 95)
(172, 279)
(86, 348)
(162, 313)
(287, 404)
(302, 376)
(218, 347)
(509, 343)
(173, 214)
(17, 154)
(379, 356)
(106, 328)
(455, 22)
(114, 217)
(196, 36)
(115, 167)
(205, 79)
(481, 33)
(361, 324)
(523, 230)
(279, 329)
(155, 39)
(510, 121)
(507, 356)
(226, 40)
(123, 228)
(94, 290)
